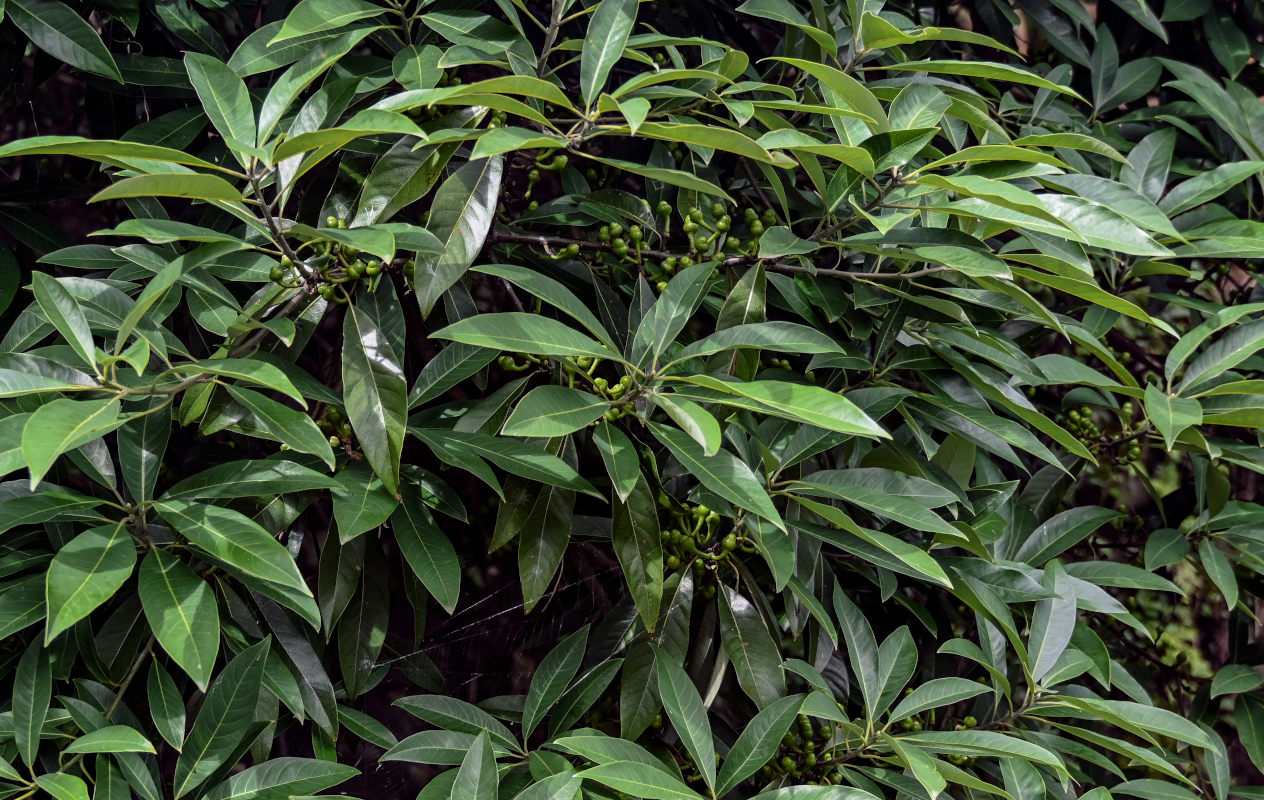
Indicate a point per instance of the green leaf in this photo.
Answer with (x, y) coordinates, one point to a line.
(688, 716)
(670, 312)
(1170, 414)
(693, 419)
(619, 455)
(63, 310)
(551, 679)
(751, 648)
(608, 32)
(195, 186)
(223, 720)
(849, 90)
(562, 786)
(312, 16)
(63, 425)
(431, 747)
(426, 549)
(32, 692)
(111, 739)
(455, 363)
(63, 786)
(182, 613)
(461, 216)
(376, 392)
(639, 780)
(722, 473)
(166, 705)
(936, 693)
(283, 778)
(862, 648)
(85, 573)
(552, 292)
(635, 535)
(1059, 533)
(234, 540)
(986, 70)
(108, 151)
(758, 742)
(1225, 353)
(248, 478)
(319, 57)
(1235, 679)
(57, 30)
(510, 455)
(983, 743)
(549, 411)
(812, 405)
(282, 423)
(1207, 186)
(457, 715)
(226, 102)
(518, 332)
(476, 778)
(783, 337)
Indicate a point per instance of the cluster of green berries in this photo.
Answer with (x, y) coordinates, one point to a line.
(625, 244)
(336, 264)
(336, 426)
(497, 119)
(1129, 451)
(1080, 423)
(797, 755)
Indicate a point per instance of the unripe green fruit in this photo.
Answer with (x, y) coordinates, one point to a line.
(787, 762)
(616, 229)
(664, 208)
(729, 543)
(661, 286)
(276, 274)
(334, 441)
(673, 562)
(603, 233)
(695, 214)
(757, 228)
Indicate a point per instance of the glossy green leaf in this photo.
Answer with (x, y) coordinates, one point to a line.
(63, 425)
(548, 411)
(608, 31)
(32, 692)
(234, 540)
(551, 679)
(59, 31)
(182, 613)
(639, 780)
(223, 719)
(688, 716)
(85, 573)
(426, 549)
(111, 739)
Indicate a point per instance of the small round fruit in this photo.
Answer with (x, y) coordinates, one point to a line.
(276, 274)
(673, 562)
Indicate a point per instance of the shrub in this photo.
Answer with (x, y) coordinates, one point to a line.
(842, 401)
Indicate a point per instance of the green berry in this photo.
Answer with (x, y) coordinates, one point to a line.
(695, 214)
(673, 562)
(276, 274)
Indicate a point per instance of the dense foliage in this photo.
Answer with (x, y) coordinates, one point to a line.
(816, 399)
